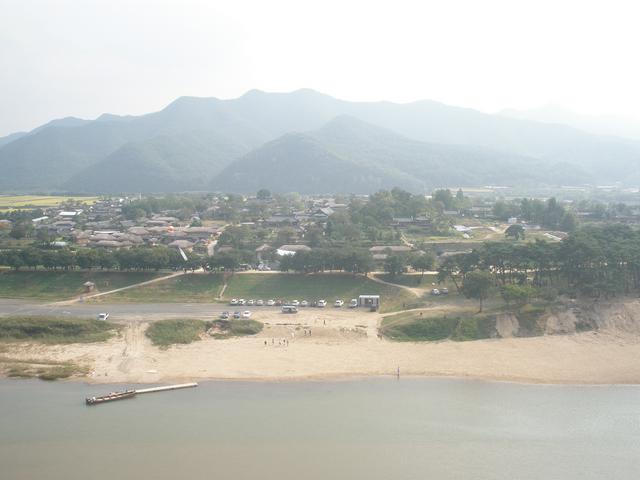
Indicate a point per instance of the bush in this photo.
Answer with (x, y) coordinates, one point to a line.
(55, 329)
(164, 333)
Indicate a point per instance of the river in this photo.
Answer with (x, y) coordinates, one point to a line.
(360, 429)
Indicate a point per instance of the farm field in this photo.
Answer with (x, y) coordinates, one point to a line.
(24, 202)
(51, 286)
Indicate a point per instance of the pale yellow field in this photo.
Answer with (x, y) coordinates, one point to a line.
(23, 202)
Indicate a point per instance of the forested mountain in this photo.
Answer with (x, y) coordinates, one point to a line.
(189, 143)
(348, 155)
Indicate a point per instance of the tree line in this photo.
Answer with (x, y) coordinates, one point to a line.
(596, 261)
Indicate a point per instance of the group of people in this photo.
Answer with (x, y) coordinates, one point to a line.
(282, 342)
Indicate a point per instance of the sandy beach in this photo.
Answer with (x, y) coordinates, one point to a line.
(341, 344)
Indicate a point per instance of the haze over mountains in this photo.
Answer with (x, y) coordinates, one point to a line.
(307, 142)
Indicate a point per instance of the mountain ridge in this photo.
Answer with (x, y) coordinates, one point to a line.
(56, 157)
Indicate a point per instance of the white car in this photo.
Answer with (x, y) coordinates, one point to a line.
(295, 303)
(322, 303)
(251, 302)
(353, 303)
(234, 301)
(246, 314)
(271, 302)
(338, 303)
(259, 303)
(103, 316)
(435, 291)
(304, 303)
(242, 301)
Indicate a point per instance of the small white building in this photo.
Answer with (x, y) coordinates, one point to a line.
(289, 250)
(369, 301)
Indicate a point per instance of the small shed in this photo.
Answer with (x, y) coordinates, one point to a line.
(369, 301)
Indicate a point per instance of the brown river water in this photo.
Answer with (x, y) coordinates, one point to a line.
(360, 429)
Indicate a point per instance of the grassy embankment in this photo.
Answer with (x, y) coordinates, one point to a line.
(51, 286)
(183, 331)
(460, 323)
(430, 326)
(49, 330)
(206, 288)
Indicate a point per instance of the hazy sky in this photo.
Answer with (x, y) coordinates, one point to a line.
(85, 57)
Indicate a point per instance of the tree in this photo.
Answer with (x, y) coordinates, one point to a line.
(517, 295)
(477, 285)
(394, 264)
(423, 262)
(263, 194)
(515, 231)
(21, 230)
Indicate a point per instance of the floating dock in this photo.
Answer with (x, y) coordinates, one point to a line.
(113, 396)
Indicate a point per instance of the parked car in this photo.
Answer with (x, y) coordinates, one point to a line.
(242, 301)
(236, 314)
(289, 309)
(271, 302)
(304, 303)
(246, 314)
(259, 303)
(224, 315)
(322, 303)
(234, 301)
(103, 316)
(353, 303)
(444, 291)
(295, 303)
(435, 291)
(251, 302)
(338, 303)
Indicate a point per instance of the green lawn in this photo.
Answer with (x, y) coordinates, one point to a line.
(46, 285)
(313, 287)
(189, 288)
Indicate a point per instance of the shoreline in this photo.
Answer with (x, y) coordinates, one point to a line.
(345, 346)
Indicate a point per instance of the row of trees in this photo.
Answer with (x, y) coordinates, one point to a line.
(597, 261)
(549, 214)
(143, 258)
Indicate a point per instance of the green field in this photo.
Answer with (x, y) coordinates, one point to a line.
(189, 288)
(313, 287)
(47, 285)
(23, 202)
(198, 288)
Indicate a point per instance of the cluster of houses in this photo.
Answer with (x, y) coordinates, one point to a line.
(101, 225)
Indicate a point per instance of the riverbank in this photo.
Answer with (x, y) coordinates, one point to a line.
(318, 345)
